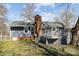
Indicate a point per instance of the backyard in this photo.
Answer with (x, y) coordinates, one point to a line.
(16, 48)
(28, 48)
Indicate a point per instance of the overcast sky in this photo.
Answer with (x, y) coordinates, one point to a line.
(47, 10)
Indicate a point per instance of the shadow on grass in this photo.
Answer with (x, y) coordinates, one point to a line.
(52, 52)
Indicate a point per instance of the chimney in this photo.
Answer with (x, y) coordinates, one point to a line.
(38, 25)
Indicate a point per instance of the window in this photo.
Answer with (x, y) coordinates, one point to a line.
(53, 29)
(48, 28)
(17, 28)
(31, 29)
(17, 33)
(25, 31)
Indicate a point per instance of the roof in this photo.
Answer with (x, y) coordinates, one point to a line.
(45, 24)
(21, 23)
(53, 24)
(75, 22)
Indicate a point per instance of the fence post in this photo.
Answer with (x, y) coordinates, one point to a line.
(1, 35)
(10, 36)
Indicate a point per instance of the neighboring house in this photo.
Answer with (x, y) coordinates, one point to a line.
(75, 34)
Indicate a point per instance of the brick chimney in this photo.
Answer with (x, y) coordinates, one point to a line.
(38, 25)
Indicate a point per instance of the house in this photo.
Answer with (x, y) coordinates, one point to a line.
(52, 32)
(75, 33)
(42, 31)
(21, 29)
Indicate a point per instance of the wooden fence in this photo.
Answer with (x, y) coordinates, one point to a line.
(4, 37)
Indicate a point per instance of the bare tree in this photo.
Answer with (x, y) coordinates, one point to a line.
(29, 11)
(66, 15)
(3, 27)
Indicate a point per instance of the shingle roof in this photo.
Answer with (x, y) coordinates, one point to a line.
(21, 23)
(44, 23)
(75, 22)
(53, 24)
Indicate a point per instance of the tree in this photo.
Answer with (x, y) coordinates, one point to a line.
(3, 27)
(29, 11)
(66, 15)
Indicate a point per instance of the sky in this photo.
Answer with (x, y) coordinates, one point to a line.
(47, 10)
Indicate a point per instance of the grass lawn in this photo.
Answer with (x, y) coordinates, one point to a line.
(67, 48)
(27, 48)
(19, 48)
